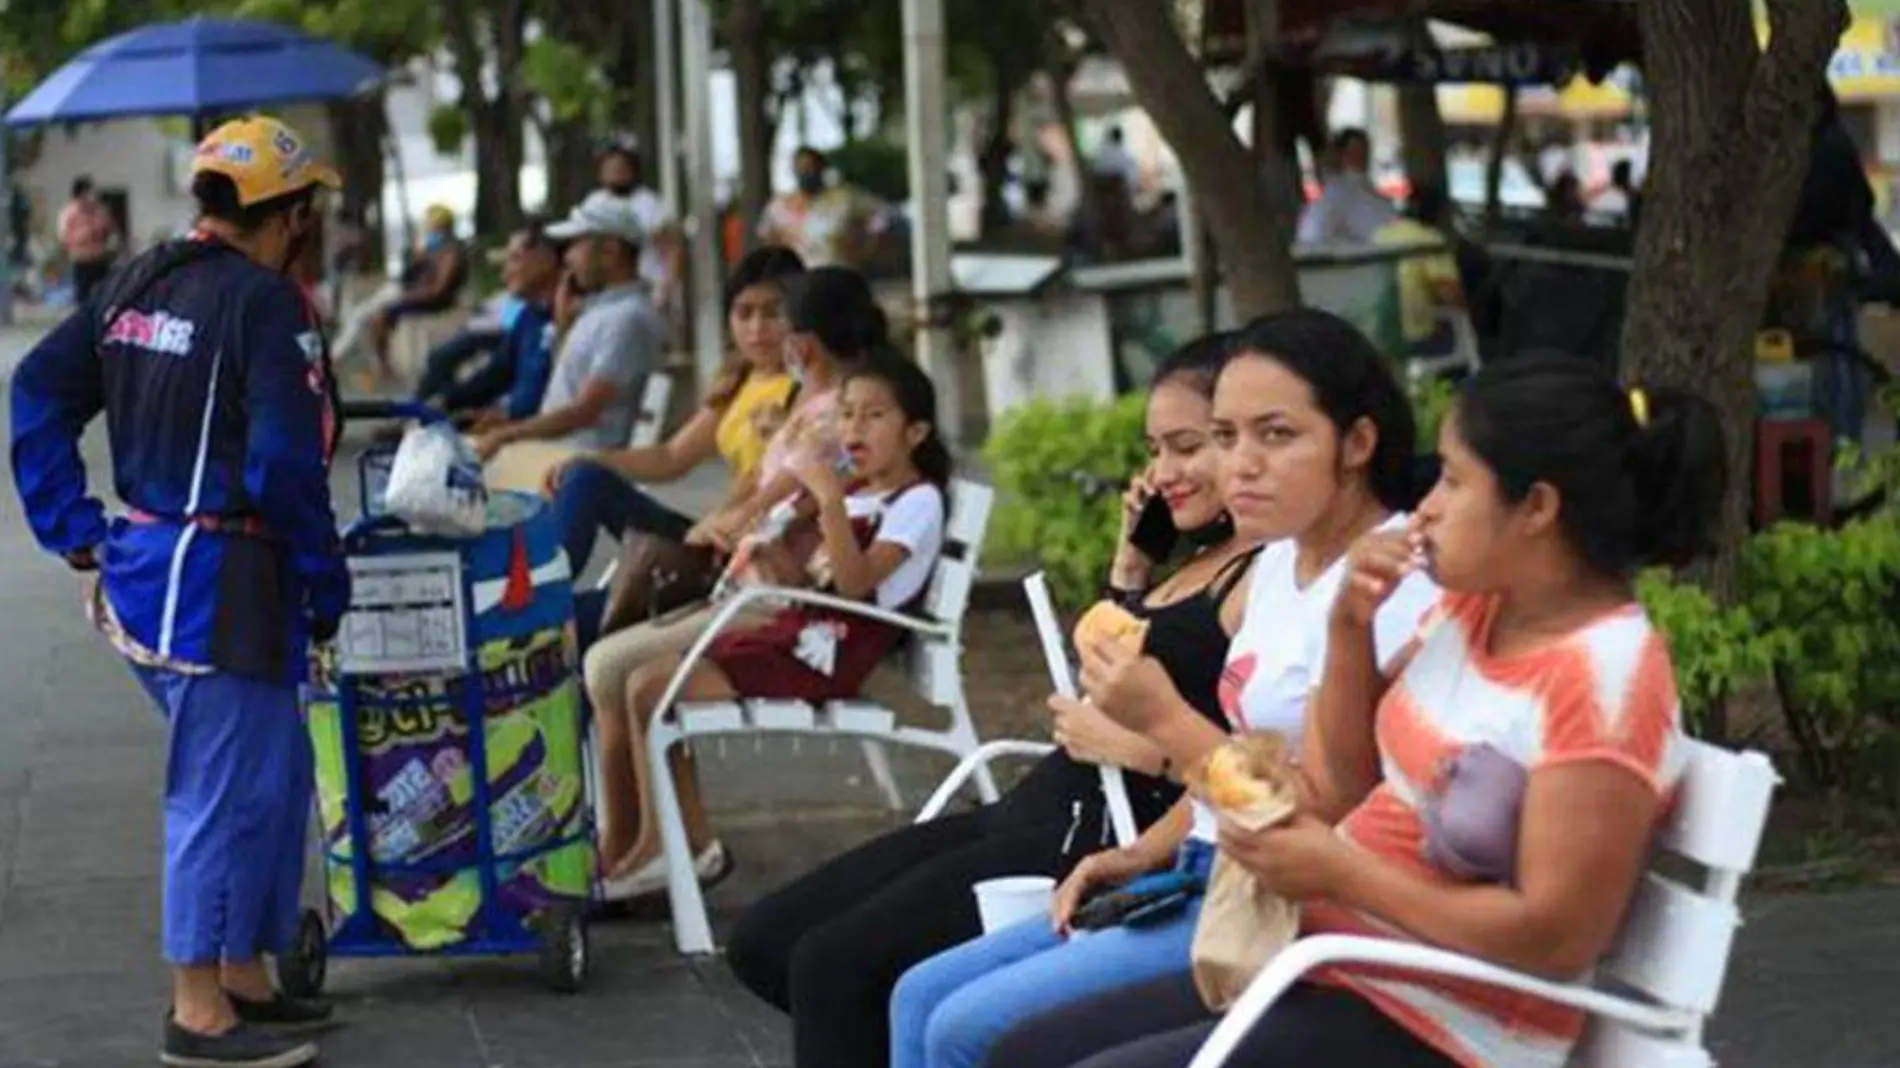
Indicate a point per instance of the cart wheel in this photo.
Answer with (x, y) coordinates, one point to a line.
(564, 952)
(301, 968)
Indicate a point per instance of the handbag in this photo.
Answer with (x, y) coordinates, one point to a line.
(656, 575)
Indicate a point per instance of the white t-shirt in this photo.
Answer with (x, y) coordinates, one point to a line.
(815, 227)
(651, 211)
(914, 520)
(1276, 658)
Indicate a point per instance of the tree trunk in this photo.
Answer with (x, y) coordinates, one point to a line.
(1253, 229)
(1730, 129)
(639, 49)
(752, 73)
(1275, 134)
(1060, 72)
(1422, 129)
(494, 121)
(993, 160)
(1494, 167)
(357, 130)
(570, 160)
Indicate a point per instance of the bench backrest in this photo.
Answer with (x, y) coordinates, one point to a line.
(650, 421)
(1676, 940)
(934, 663)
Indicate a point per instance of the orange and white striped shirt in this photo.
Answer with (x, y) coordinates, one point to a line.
(1605, 693)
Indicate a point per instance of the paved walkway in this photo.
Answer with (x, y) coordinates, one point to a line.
(1814, 983)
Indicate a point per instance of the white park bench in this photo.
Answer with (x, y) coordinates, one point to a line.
(1659, 984)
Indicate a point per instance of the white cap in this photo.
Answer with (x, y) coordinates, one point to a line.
(601, 214)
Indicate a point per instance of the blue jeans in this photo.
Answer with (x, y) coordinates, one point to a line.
(948, 1011)
(592, 498)
(238, 780)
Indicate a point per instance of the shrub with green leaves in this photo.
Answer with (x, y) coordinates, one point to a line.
(1044, 514)
(1432, 399)
(1828, 603)
(1716, 650)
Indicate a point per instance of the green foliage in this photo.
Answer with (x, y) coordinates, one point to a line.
(1828, 603)
(1716, 650)
(1044, 515)
(1869, 473)
(571, 80)
(877, 165)
(1432, 399)
(448, 128)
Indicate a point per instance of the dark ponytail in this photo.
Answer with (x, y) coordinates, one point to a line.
(836, 305)
(916, 397)
(1640, 474)
(1350, 381)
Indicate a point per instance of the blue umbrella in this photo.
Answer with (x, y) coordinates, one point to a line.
(197, 67)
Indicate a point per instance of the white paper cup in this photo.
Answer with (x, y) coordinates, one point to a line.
(1009, 901)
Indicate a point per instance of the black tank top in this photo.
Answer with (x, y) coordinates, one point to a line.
(1187, 639)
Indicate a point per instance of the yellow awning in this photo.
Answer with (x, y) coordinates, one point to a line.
(1479, 105)
(1865, 67)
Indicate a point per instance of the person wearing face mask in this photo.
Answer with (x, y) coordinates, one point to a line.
(430, 283)
(222, 419)
(622, 175)
(826, 224)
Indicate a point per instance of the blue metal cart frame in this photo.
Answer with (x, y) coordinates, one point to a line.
(560, 934)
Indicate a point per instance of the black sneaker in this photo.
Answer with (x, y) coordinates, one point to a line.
(242, 1046)
(284, 1014)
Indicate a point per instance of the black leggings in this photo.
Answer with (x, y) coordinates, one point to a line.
(829, 947)
(1162, 1024)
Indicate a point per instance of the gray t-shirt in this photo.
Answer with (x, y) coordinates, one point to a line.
(618, 338)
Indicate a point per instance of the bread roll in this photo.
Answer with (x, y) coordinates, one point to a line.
(1250, 780)
(1108, 622)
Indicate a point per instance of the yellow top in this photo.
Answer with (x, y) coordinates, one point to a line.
(1419, 276)
(747, 423)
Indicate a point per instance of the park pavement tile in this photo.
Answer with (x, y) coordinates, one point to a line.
(103, 926)
(93, 1020)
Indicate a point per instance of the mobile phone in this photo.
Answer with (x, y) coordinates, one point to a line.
(1154, 534)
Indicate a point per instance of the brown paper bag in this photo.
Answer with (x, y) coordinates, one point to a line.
(1243, 925)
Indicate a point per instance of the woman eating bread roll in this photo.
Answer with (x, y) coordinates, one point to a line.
(828, 947)
(1495, 791)
(1316, 445)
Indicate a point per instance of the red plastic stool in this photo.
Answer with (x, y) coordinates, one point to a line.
(1774, 438)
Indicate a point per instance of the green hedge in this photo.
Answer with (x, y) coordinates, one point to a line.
(1044, 516)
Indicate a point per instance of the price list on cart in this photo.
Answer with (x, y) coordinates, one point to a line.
(405, 615)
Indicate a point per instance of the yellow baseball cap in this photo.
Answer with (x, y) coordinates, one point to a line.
(263, 157)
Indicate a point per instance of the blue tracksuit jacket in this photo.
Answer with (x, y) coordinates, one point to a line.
(220, 409)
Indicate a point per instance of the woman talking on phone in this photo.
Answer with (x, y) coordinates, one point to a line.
(828, 947)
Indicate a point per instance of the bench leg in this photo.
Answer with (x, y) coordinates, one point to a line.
(879, 759)
(692, 930)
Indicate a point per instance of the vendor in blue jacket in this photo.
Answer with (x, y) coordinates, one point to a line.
(221, 412)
